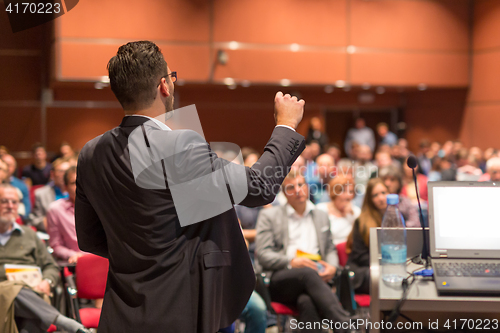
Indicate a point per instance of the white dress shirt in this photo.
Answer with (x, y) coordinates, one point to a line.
(301, 231)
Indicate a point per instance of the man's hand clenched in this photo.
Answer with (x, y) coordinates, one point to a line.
(288, 110)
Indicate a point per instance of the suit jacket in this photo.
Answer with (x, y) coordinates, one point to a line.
(164, 277)
(272, 239)
(44, 196)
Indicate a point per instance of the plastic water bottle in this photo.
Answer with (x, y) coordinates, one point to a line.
(393, 244)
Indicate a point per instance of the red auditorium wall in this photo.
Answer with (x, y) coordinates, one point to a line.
(481, 121)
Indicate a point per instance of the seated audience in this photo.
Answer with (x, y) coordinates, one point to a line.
(363, 167)
(296, 280)
(316, 133)
(386, 136)
(25, 205)
(424, 157)
(360, 134)
(408, 189)
(20, 245)
(37, 173)
(492, 170)
(49, 193)
(61, 222)
(326, 171)
(470, 171)
(341, 212)
(393, 179)
(65, 152)
(358, 241)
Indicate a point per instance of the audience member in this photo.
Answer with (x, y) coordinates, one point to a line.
(341, 212)
(37, 173)
(334, 151)
(408, 189)
(386, 136)
(49, 193)
(363, 167)
(470, 171)
(358, 242)
(326, 171)
(20, 245)
(4, 172)
(65, 152)
(295, 280)
(360, 134)
(393, 180)
(3, 150)
(61, 222)
(492, 170)
(25, 205)
(316, 133)
(424, 158)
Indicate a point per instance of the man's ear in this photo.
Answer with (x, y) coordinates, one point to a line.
(164, 90)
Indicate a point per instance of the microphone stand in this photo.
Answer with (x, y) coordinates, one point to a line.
(425, 248)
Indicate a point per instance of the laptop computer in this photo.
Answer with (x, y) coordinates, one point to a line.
(464, 225)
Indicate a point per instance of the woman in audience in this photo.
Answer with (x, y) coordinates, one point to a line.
(393, 179)
(340, 210)
(408, 189)
(357, 246)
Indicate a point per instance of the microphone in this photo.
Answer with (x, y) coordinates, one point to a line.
(412, 164)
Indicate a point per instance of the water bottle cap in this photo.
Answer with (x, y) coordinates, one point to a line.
(392, 199)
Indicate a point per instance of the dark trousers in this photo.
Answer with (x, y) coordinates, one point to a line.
(303, 288)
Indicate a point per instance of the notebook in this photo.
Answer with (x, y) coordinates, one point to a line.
(464, 225)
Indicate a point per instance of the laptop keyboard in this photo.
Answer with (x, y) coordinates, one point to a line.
(486, 269)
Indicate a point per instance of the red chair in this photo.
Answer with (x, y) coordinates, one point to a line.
(32, 194)
(283, 310)
(91, 277)
(363, 300)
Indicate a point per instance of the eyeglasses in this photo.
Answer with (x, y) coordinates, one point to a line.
(173, 76)
(6, 201)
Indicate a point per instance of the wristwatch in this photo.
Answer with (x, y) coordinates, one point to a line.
(51, 283)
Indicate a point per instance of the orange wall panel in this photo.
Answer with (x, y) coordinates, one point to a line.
(173, 20)
(77, 126)
(485, 77)
(318, 22)
(441, 70)
(80, 61)
(409, 24)
(482, 126)
(486, 24)
(271, 66)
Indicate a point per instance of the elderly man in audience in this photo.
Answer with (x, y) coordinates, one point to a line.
(19, 245)
(49, 193)
(25, 204)
(37, 173)
(287, 237)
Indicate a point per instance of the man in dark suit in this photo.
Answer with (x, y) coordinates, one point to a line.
(164, 277)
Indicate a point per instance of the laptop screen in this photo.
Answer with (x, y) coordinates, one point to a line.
(466, 218)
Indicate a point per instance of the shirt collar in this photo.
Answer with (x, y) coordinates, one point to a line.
(15, 226)
(156, 121)
(290, 212)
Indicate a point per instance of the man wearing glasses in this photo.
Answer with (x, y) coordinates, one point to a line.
(19, 245)
(165, 277)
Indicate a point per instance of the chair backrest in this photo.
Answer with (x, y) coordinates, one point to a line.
(91, 276)
(32, 194)
(342, 254)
